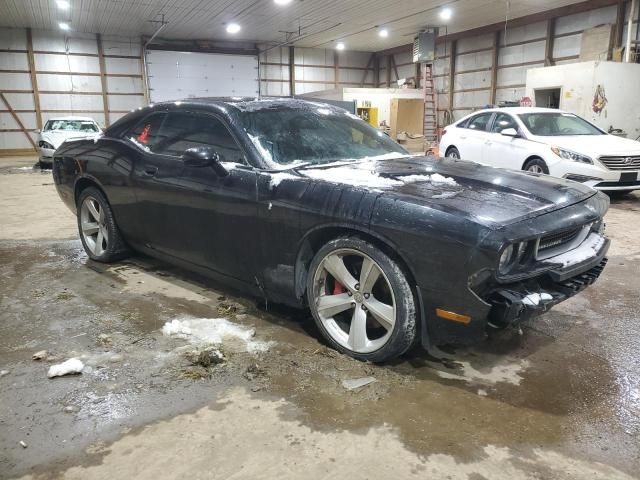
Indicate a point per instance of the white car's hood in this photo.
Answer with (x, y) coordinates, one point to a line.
(593, 145)
(57, 137)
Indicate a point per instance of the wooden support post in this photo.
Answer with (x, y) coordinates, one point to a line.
(388, 70)
(366, 70)
(548, 44)
(18, 121)
(292, 71)
(376, 71)
(495, 52)
(619, 28)
(336, 69)
(452, 72)
(395, 69)
(143, 74)
(103, 80)
(34, 78)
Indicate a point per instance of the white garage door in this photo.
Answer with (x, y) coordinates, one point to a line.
(176, 75)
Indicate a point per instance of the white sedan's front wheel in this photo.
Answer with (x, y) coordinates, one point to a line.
(361, 300)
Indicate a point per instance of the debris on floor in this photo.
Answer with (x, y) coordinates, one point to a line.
(206, 357)
(353, 383)
(22, 444)
(41, 355)
(71, 366)
(254, 371)
(4, 372)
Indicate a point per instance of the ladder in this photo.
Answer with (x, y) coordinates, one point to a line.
(430, 111)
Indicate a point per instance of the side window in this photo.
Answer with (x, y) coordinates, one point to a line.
(147, 132)
(182, 131)
(502, 122)
(479, 122)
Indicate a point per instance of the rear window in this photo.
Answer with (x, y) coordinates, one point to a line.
(71, 126)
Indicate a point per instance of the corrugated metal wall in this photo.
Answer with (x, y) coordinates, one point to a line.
(45, 74)
(518, 49)
(314, 69)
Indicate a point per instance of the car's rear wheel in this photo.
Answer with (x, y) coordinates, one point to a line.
(361, 300)
(536, 165)
(452, 152)
(99, 233)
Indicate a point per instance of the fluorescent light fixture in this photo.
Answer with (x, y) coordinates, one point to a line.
(383, 32)
(340, 46)
(446, 14)
(63, 4)
(233, 28)
(282, 2)
(64, 26)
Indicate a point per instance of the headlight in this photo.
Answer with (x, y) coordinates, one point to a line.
(569, 155)
(43, 144)
(511, 255)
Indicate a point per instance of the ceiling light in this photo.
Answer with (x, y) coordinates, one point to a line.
(340, 46)
(282, 2)
(63, 26)
(446, 14)
(63, 4)
(233, 28)
(384, 33)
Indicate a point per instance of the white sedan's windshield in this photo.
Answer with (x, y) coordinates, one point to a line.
(286, 135)
(552, 124)
(71, 126)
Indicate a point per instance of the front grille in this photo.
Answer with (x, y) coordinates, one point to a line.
(621, 162)
(557, 239)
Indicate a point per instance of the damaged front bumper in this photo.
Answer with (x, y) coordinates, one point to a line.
(520, 301)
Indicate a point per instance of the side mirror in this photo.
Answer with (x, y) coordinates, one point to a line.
(509, 132)
(199, 157)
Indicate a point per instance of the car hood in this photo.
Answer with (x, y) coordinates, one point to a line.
(57, 137)
(490, 196)
(594, 145)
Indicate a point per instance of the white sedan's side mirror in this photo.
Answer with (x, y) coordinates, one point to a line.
(509, 132)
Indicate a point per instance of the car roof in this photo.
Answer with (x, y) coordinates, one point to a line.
(520, 110)
(247, 103)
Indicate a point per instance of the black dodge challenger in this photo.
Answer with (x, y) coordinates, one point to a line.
(305, 204)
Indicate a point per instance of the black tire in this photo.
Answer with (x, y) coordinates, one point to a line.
(452, 152)
(403, 333)
(116, 247)
(534, 165)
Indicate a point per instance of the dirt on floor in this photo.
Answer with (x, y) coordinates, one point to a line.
(559, 399)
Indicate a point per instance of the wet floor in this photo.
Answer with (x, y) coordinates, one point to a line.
(559, 399)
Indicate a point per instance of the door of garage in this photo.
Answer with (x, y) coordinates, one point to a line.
(176, 75)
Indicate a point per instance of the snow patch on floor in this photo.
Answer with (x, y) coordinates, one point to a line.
(71, 366)
(499, 373)
(214, 331)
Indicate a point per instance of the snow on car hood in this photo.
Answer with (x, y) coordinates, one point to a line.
(593, 145)
(490, 196)
(58, 137)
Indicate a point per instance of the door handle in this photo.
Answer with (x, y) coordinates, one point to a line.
(150, 171)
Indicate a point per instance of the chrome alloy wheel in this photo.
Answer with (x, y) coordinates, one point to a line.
(354, 300)
(92, 224)
(535, 169)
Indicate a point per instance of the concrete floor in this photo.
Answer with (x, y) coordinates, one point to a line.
(561, 400)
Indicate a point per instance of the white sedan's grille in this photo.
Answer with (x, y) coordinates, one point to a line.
(621, 163)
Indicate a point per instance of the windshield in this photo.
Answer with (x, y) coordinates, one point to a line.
(71, 125)
(551, 124)
(287, 135)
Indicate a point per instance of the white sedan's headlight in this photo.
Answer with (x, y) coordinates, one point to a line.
(569, 155)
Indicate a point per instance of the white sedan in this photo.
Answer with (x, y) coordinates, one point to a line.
(550, 141)
(57, 130)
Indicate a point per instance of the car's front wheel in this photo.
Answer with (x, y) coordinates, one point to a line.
(536, 165)
(361, 300)
(99, 233)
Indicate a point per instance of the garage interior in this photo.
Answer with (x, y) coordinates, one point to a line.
(557, 398)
